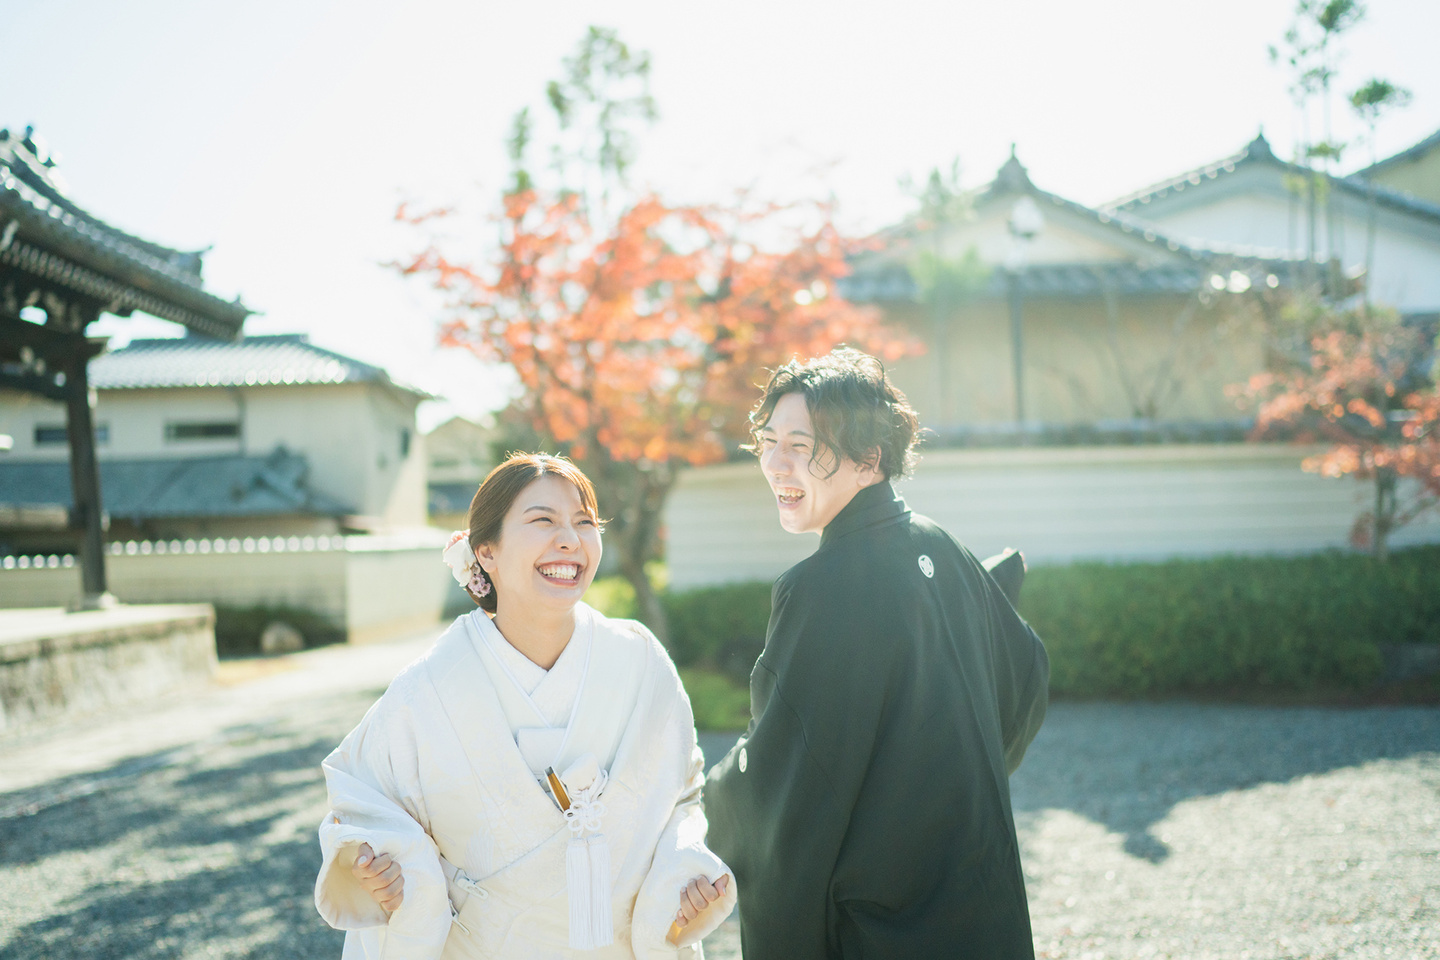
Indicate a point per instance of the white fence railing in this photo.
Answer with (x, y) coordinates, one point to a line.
(369, 586)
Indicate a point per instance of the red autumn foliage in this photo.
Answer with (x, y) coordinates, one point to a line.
(640, 345)
(646, 341)
(1367, 391)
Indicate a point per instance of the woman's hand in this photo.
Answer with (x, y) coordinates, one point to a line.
(696, 898)
(380, 877)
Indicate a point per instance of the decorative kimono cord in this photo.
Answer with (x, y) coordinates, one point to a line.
(587, 869)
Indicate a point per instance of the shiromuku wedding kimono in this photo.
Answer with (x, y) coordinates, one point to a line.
(446, 773)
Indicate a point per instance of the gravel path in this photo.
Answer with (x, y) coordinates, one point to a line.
(1147, 830)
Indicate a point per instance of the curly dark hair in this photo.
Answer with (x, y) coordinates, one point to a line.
(854, 408)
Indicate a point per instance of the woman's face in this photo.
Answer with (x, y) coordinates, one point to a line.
(549, 548)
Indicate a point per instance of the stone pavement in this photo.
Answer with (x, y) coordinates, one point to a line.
(1148, 830)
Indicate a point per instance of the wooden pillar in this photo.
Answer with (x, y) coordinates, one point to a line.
(85, 480)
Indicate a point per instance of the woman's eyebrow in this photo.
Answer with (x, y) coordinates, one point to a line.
(541, 507)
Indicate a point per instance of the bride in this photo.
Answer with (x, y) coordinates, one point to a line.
(531, 786)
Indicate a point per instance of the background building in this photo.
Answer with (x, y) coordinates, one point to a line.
(268, 436)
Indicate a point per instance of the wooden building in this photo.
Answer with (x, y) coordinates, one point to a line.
(60, 269)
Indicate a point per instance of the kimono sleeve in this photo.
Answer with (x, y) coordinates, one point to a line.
(1021, 674)
(681, 854)
(780, 801)
(365, 790)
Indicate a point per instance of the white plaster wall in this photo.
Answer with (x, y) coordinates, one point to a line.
(375, 587)
(1056, 504)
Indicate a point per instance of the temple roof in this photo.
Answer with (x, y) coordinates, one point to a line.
(1409, 153)
(285, 359)
(1259, 151)
(1175, 266)
(44, 232)
(224, 486)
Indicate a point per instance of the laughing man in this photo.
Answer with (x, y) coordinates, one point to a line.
(866, 812)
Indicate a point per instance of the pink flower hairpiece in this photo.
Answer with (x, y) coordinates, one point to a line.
(464, 567)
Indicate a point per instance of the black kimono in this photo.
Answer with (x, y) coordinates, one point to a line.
(866, 813)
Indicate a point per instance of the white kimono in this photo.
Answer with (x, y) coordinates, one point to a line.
(434, 777)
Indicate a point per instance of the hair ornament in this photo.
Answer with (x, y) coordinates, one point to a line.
(464, 567)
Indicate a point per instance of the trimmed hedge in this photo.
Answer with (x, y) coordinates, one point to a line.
(1218, 626)
(1231, 624)
(238, 629)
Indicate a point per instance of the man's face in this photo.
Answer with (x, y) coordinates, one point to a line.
(807, 501)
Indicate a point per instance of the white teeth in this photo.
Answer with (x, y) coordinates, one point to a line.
(790, 496)
(561, 571)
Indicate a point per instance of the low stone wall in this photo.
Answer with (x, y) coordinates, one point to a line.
(54, 663)
(371, 587)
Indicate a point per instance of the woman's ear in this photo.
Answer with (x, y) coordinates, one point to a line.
(485, 553)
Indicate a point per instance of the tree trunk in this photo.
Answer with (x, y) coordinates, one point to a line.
(633, 500)
(1385, 503)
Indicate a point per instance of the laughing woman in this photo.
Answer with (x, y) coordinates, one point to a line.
(531, 786)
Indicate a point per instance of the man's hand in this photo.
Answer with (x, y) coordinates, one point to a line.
(695, 899)
(380, 877)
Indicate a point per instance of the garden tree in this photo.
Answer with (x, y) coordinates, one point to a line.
(638, 329)
(1312, 53)
(1365, 383)
(1370, 102)
(943, 283)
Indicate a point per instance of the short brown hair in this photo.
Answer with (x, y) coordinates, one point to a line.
(497, 495)
(854, 407)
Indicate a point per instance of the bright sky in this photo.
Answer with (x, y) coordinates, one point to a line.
(284, 132)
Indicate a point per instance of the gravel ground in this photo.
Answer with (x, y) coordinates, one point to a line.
(1169, 830)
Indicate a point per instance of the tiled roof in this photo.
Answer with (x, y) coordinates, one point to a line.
(1258, 151)
(451, 497)
(1188, 267)
(288, 359)
(43, 232)
(894, 283)
(1409, 153)
(228, 486)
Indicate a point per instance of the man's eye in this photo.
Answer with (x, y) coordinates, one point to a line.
(767, 441)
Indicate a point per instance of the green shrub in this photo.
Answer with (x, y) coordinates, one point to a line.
(1227, 625)
(1230, 624)
(238, 629)
(612, 596)
(722, 627)
(719, 702)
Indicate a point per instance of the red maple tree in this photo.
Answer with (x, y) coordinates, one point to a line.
(639, 342)
(1365, 386)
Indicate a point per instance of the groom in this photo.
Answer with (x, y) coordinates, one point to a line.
(866, 812)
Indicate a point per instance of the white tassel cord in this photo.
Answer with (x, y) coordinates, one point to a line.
(587, 871)
(577, 883)
(602, 922)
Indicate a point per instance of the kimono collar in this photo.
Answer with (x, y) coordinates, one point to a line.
(872, 505)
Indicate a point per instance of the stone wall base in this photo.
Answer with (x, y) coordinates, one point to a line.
(54, 663)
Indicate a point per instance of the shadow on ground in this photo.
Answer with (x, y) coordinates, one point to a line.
(211, 853)
(1126, 765)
